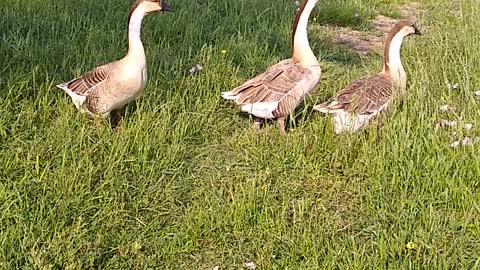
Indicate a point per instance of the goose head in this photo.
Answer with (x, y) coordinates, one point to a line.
(392, 62)
(394, 41)
(405, 28)
(150, 6)
(139, 9)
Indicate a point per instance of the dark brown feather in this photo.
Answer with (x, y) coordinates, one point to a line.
(278, 83)
(365, 96)
(84, 84)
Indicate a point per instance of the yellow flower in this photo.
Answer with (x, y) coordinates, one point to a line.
(411, 246)
(314, 19)
(224, 51)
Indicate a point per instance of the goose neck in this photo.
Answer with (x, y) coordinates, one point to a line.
(392, 61)
(135, 45)
(302, 53)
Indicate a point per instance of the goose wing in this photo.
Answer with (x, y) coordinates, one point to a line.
(84, 84)
(363, 96)
(275, 87)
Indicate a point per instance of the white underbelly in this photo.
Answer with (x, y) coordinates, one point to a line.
(345, 121)
(261, 109)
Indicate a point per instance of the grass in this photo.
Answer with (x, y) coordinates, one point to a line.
(187, 184)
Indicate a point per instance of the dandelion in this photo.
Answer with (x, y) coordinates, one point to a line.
(315, 19)
(224, 51)
(411, 246)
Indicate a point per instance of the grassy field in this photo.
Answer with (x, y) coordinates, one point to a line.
(188, 185)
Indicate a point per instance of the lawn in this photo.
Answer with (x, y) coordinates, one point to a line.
(186, 184)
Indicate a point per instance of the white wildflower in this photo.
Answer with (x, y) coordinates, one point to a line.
(250, 265)
(446, 123)
(468, 126)
(444, 108)
(455, 144)
(476, 94)
(451, 85)
(466, 141)
(195, 69)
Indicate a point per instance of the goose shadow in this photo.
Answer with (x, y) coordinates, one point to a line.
(300, 117)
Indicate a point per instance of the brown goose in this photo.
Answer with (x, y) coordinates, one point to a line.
(276, 93)
(105, 90)
(354, 106)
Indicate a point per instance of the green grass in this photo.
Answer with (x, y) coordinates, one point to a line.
(187, 184)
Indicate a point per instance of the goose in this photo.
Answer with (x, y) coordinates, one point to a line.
(105, 90)
(363, 99)
(276, 93)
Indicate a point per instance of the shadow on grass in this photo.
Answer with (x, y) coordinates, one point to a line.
(339, 55)
(343, 13)
(303, 114)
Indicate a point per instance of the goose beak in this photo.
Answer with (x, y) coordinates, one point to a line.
(166, 7)
(417, 31)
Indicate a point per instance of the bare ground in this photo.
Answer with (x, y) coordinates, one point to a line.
(366, 42)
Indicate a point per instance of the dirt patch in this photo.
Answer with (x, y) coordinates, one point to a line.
(383, 24)
(411, 11)
(359, 41)
(366, 42)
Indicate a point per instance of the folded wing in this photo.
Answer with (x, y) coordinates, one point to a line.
(363, 97)
(274, 93)
(84, 84)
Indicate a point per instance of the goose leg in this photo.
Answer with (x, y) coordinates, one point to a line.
(281, 125)
(380, 129)
(116, 117)
(257, 124)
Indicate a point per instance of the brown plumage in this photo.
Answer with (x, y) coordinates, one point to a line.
(277, 84)
(89, 81)
(106, 90)
(354, 106)
(276, 93)
(364, 96)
